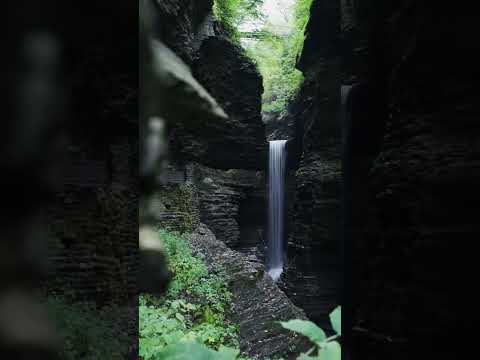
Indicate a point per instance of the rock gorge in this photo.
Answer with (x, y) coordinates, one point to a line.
(214, 187)
(380, 132)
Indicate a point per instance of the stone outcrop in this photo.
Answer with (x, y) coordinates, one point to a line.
(231, 202)
(174, 205)
(214, 159)
(233, 205)
(258, 304)
(171, 80)
(179, 23)
(233, 79)
(222, 68)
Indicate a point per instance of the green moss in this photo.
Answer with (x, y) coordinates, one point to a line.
(231, 13)
(186, 196)
(181, 199)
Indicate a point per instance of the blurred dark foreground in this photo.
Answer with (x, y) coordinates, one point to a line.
(69, 165)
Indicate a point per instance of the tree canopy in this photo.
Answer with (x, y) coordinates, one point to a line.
(272, 41)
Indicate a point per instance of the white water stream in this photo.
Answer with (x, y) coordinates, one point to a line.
(276, 186)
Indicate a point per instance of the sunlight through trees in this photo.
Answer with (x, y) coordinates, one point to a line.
(272, 32)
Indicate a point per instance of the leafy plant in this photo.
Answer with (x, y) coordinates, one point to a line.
(193, 350)
(191, 321)
(194, 309)
(326, 348)
(232, 13)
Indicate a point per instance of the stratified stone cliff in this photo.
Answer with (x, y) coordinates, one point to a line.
(227, 148)
(313, 277)
(233, 205)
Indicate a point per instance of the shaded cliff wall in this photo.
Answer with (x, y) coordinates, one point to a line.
(93, 220)
(224, 70)
(223, 155)
(233, 79)
(233, 206)
(416, 154)
(313, 277)
(221, 164)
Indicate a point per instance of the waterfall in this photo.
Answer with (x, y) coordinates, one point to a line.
(276, 186)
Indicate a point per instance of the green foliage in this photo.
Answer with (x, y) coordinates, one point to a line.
(193, 350)
(306, 328)
(336, 320)
(302, 15)
(191, 321)
(191, 277)
(274, 53)
(278, 67)
(327, 348)
(87, 332)
(231, 13)
(276, 59)
(195, 307)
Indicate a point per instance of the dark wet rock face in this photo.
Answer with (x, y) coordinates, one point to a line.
(414, 217)
(231, 202)
(314, 272)
(234, 143)
(257, 302)
(232, 78)
(233, 205)
(180, 22)
(222, 68)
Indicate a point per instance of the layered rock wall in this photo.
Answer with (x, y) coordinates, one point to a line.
(313, 277)
(225, 152)
(233, 204)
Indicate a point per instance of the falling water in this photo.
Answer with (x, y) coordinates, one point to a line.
(276, 182)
